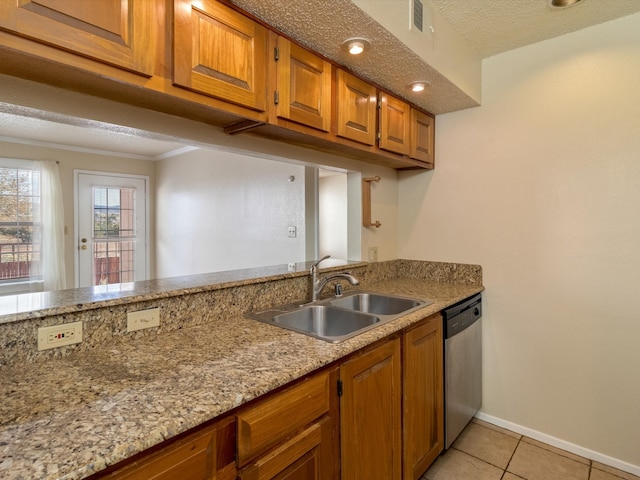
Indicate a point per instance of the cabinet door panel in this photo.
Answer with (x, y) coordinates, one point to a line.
(304, 86)
(394, 124)
(219, 52)
(356, 108)
(370, 414)
(423, 396)
(111, 31)
(422, 136)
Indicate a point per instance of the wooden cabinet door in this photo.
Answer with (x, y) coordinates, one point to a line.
(370, 414)
(422, 136)
(355, 108)
(300, 458)
(111, 31)
(423, 396)
(394, 125)
(303, 86)
(208, 454)
(219, 52)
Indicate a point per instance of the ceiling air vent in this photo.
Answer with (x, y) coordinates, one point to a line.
(417, 14)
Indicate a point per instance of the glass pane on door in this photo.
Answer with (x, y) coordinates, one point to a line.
(114, 235)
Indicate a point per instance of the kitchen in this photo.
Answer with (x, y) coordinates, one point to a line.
(539, 186)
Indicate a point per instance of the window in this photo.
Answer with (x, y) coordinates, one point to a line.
(31, 251)
(20, 225)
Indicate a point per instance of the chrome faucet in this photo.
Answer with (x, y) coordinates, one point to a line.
(317, 284)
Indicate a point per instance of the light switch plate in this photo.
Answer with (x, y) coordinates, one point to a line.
(143, 319)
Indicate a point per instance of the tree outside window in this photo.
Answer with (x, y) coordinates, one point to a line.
(20, 227)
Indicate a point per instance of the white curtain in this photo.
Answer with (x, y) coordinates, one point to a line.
(53, 270)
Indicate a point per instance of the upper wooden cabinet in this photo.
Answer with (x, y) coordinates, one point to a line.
(115, 32)
(356, 103)
(395, 121)
(423, 396)
(208, 61)
(370, 413)
(422, 136)
(219, 52)
(303, 86)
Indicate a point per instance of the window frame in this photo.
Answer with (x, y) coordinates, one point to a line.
(33, 283)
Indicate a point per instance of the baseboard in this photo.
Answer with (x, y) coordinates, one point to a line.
(556, 442)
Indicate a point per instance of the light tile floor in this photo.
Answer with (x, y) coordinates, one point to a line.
(486, 452)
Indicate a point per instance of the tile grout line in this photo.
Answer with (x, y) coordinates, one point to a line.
(512, 455)
(482, 459)
(558, 451)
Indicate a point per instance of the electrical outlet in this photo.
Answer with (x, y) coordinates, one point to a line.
(59, 335)
(143, 319)
(373, 254)
(292, 232)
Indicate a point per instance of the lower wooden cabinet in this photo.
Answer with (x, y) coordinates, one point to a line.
(207, 454)
(422, 396)
(370, 413)
(378, 415)
(307, 456)
(292, 434)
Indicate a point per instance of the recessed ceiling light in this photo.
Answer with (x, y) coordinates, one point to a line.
(356, 45)
(418, 87)
(563, 3)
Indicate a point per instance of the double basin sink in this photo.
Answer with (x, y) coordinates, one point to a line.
(338, 318)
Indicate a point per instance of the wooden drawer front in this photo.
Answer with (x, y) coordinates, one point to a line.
(296, 459)
(279, 417)
(111, 31)
(219, 52)
(205, 455)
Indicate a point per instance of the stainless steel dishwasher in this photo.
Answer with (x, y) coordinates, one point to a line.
(462, 365)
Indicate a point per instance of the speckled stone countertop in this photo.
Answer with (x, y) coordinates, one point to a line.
(74, 416)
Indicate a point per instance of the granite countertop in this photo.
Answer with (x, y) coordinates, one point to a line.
(74, 416)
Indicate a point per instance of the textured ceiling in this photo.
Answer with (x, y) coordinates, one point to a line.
(488, 26)
(323, 26)
(496, 26)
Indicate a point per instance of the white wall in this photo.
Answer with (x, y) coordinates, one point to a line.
(541, 186)
(332, 203)
(221, 211)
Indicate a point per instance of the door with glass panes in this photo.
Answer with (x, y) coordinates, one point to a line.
(110, 228)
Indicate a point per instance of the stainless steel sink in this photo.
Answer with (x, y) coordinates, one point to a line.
(376, 303)
(325, 322)
(336, 319)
